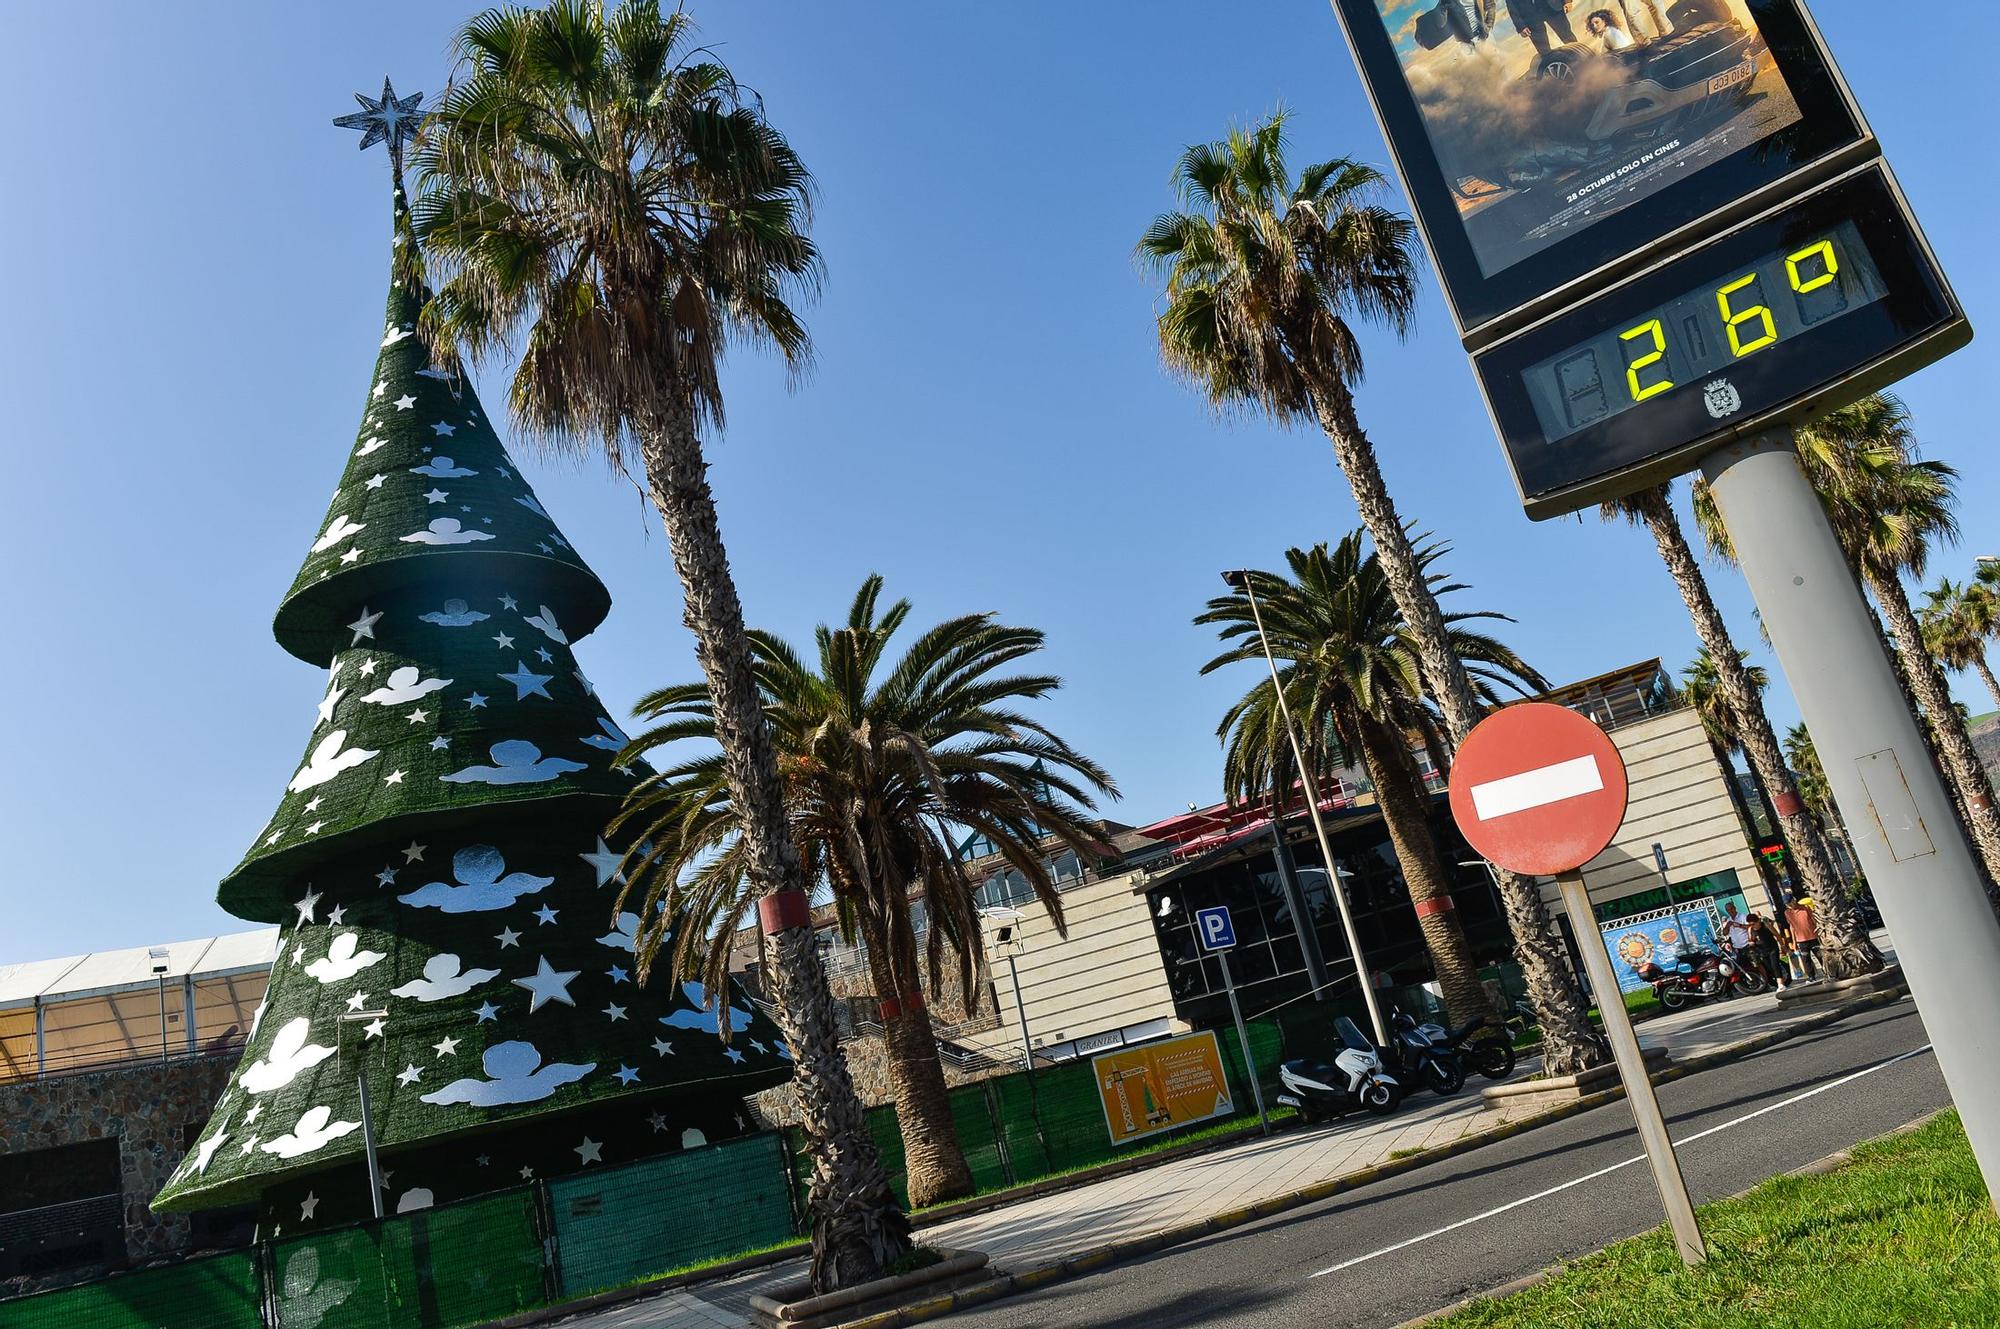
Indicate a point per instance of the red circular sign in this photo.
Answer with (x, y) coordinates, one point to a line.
(1538, 789)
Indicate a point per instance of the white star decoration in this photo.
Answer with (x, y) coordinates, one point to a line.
(445, 1047)
(546, 915)
(626, 1075)
(415, 853)
(409, 1075)
(405, 402)
(527, 683)
(590, 1151)
(375, 1028)
(604, 863)
(306, 904)
(663, 1047)
(357, 1001)
(364, 627)
(547, 984)
(616, 1013)
(308, 1205)
(508, 937)
(487, 1012)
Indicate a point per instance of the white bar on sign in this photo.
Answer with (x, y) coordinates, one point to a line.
(1537, 788)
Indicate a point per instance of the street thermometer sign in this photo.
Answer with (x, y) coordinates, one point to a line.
(1652, 243)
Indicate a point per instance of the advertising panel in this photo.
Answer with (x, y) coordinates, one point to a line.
(1659, 936)
(1547, 116)
(1159, 1086)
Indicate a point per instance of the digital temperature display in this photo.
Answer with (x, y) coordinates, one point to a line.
(1683, 344)
(1806, 307)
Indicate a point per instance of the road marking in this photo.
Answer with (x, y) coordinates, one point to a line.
(1607, 1171)
(1537, 788)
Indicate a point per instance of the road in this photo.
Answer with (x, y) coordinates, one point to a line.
(1386, 1253)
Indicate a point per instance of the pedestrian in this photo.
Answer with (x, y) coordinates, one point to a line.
(1803, 921)
(1736, 938)
(1764, 944)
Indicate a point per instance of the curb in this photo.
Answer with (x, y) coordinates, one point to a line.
(1819, 1167)
(1131, 1248)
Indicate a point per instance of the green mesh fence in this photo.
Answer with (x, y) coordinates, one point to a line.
(220, 1292)
(1016, 1128)
(652, 1218)
(460, 1265)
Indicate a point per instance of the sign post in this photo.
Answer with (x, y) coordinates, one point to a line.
(1540, 790)
(1218, 938)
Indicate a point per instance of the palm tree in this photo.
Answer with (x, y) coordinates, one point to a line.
(1814, 789)
(879, 759)
(1263, 273)
(607, 195)
(1889, 509)
(1735, 717)
(1350, 673)
(1958, 619)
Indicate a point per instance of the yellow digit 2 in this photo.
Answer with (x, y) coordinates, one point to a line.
(1824, 252)
(1736, 318)
(1652, 357)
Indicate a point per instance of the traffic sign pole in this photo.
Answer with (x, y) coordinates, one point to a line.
(1243, 1039)
(1903, 825)
(1632, 1070)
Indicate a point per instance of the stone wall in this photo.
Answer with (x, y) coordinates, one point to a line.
(149, 1109)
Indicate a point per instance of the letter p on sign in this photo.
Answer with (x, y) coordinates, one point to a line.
(1217, 932)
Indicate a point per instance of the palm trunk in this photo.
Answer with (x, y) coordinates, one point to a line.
(1405, 813)
(1962, 766)
(933, 1159)
(856, 1227)
(1570, 1043)
(1844, 943)
(1986, 676)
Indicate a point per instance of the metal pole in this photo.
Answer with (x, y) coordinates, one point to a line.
(1243, 1041)
(1904, 831)
(368, 1139)
(1021, 1012)
(163, 1019)
(1660, 862)
(1319, 830)
(1632, 1070)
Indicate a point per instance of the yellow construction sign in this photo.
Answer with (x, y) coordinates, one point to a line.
(1158, 1086)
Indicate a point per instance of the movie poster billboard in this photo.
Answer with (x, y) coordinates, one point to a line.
(1659, 937)
(1547, 117)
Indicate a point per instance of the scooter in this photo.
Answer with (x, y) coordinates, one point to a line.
(1699, 976)
(1420, 1060)
(1482, 1045)
(1354, 1080)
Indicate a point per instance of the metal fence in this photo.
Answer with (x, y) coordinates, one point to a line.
(548, 1243)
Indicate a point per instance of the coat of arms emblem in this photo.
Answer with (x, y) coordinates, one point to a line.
(1721, 398)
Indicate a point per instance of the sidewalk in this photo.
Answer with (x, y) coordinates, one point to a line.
(1045, 1229)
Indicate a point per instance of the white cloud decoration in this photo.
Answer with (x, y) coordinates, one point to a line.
(444, 531)
(455, 614)
(329, 759)
(515, 761)
(442, 979)
(289, 1054)
(314, 1131)
(405, 683)
(344, 959)
(481, 885)
(516, 1075)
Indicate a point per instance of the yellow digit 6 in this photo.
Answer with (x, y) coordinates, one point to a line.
(1654, 356)
(1824, 249)
(1736, 318)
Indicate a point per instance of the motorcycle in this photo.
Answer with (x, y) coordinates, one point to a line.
(1413, 1055)
(1481, 1045)
(1355, 1079)
(1699, 976)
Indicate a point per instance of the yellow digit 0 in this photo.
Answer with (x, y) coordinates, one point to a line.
(1734, 319)
(1652, 357)
(1824, 250)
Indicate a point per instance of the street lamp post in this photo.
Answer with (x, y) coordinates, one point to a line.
(160, 961)
(1240, 579)
(350, 1023)
(1009, 919)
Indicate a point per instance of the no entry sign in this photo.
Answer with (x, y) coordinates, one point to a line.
(1538, 789)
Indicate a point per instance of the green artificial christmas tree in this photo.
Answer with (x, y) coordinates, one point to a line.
(438, 856)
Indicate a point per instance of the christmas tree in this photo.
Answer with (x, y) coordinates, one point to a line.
(437, 862)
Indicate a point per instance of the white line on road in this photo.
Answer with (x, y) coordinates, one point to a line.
(1607, 1171)
(1537, 788)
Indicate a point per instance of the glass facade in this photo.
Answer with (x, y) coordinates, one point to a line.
(1267, 963)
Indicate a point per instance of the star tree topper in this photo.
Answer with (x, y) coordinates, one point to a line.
(388, 119)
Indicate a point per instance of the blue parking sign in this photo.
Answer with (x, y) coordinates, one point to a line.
(1213, 926)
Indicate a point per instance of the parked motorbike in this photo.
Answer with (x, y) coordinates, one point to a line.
(1355, 1079)
(1482, 1045)
(1419, 1060)
(1699, 976)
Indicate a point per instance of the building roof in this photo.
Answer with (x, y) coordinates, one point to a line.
(111, 971)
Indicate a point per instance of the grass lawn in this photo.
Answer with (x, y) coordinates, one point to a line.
(1903, 1235)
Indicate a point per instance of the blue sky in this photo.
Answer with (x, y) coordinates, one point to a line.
(193, 294)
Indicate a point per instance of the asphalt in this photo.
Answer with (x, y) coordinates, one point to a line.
(1261, 1274)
